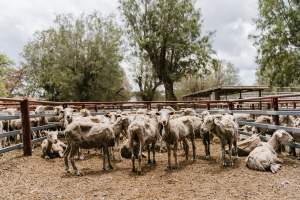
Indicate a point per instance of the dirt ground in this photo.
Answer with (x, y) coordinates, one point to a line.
(36, 178)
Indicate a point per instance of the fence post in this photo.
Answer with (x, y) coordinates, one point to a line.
(96, 108)
(26, 129)
(295, 105)
(230, 106)
(208, 106)
(275, 107)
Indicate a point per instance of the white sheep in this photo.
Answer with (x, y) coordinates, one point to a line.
(264, 156)
(52, 146)
(175, 131)
(226, 130)
(143, 132)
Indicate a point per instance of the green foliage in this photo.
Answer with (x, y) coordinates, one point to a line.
(169, 33)
(5, 71)
(278, 42)
(76, 59)
(220, 73)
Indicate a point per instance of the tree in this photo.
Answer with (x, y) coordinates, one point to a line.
(278, 42)
(6, 73)
(219, 73)
(76, 59)
(169, 33)
(146, 79)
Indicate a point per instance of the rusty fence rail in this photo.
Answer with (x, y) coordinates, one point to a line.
(270, 103)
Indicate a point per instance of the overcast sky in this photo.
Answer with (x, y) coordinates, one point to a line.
(231, 19)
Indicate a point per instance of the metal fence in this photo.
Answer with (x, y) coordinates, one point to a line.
(268, 105)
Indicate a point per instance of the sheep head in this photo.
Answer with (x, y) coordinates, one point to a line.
(164, 116)
(209, 123)
(283, 137)
(51, 136)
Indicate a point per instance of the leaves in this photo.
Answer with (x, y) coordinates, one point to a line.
(76, 59)
(169, 32)
(278, 42)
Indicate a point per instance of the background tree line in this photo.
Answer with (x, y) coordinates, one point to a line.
(79, 58)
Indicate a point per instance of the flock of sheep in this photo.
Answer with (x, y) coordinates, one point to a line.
(127, 134)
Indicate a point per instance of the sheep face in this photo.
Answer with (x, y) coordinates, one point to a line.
(68, 112)
(58, 110)
(284, 137)
(40, 110)
(164, 116)
(296, 122)
(51, 136)
(208, 123)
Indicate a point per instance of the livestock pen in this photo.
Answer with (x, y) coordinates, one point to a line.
(31, 177)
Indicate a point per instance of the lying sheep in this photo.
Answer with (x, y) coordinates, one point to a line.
(52, 146)
(264, 156)
(143, 132)
(176, 130)
(226, 130)
(87, 136)
(264, 120)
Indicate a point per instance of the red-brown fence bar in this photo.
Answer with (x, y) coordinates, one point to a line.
(26, 129)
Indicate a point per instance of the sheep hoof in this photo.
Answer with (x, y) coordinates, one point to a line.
(169, 167)
(110, 167)
(133, 170)
(139, 173)
(154, 162)
(81, 158)
(78, 173)
(207, 157)
(149, 162)
(47, 157)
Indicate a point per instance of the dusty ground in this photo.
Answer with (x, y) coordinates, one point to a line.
(35, 178)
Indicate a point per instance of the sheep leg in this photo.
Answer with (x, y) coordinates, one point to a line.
(104, 158)
(139, 170)
(186, 149)
(230, 153)
(108, 159)
(74, 151)
(148, 149)
(169, 156)
(194, 147)
(223, 152)
(236, 149)
(175, 155)
(66, 158)
(206, 142)
(153, 153)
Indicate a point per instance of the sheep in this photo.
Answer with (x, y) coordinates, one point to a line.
(2, 139)
(88, 135)
(52, 146)
(176, 130)
(189, 112)
(143, 131)
(247, 145)
(85, 113)
(264, 120)
(226, 130)
(264, 156)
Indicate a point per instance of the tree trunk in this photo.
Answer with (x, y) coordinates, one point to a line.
(169, 90)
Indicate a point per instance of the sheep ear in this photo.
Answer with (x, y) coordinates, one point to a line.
(44, 132)
(157, 113)
(172, 113)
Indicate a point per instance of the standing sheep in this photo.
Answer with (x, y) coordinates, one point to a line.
(176, 130)
(143, 131)
(264, 156)
(87, 136)
(226, 130)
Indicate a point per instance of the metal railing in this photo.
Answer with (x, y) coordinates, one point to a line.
(268, 105)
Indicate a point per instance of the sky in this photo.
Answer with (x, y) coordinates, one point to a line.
(232, 21)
